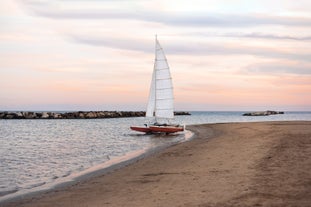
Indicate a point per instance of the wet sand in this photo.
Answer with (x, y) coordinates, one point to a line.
(236, 164)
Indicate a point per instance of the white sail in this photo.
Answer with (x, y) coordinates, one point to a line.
(161, 101)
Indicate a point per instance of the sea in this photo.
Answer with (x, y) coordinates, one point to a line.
(37, 155)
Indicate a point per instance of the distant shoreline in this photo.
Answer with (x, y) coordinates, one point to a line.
(76, 114)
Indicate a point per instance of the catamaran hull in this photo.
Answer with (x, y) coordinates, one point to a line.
(141, 129)
(157, 129)
(165, 129)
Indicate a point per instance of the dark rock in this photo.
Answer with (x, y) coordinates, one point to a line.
(81, 115)
(69, 115)
(19, 115)
(29, 115)
(179, 113)
(90, 115)
(9, 116)
(38, 115)
(2, 115)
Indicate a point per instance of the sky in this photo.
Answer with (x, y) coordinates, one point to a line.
(228, 55)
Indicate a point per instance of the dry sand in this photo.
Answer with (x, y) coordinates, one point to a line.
(238, 164)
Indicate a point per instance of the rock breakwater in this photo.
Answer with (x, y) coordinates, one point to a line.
(75, 115)
(263, 113)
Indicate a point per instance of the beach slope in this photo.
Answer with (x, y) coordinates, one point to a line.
(235, 164)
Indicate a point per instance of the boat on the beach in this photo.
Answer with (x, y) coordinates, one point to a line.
(161, 99)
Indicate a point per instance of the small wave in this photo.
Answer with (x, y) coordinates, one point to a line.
(54, 177)
(3, 193)
(35, 185)
(67, 174)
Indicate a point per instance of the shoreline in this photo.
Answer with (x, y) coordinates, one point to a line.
(94, 171)
(226, 164)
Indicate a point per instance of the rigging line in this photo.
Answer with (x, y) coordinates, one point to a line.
(162, 89)
(159, 79)
(162, 68)
(163, 99)
(159, 99)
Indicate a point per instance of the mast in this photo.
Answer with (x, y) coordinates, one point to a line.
(155, 78)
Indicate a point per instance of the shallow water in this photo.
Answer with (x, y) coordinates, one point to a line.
(36, 153)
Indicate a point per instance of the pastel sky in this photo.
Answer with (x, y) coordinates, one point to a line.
(98, 54)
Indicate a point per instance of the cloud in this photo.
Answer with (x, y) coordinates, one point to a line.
(280, 68)
(118, 43)
(266, 36)
(246, 20)
(56, 11)
(252, 35)
(194, 49)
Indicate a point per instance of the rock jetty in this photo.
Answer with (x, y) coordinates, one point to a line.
(263, 113)
(75, 115)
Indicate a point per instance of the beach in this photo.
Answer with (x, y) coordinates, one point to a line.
(230, 164)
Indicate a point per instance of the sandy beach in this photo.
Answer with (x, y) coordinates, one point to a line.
(235, 164)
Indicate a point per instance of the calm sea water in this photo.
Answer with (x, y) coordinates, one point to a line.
(38, 153)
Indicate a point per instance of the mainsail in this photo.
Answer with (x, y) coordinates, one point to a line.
(161, 98)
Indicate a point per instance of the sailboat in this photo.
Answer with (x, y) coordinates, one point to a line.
(161, 97)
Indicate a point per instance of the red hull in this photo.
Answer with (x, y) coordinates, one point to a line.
(141, 129)
(166, 129)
